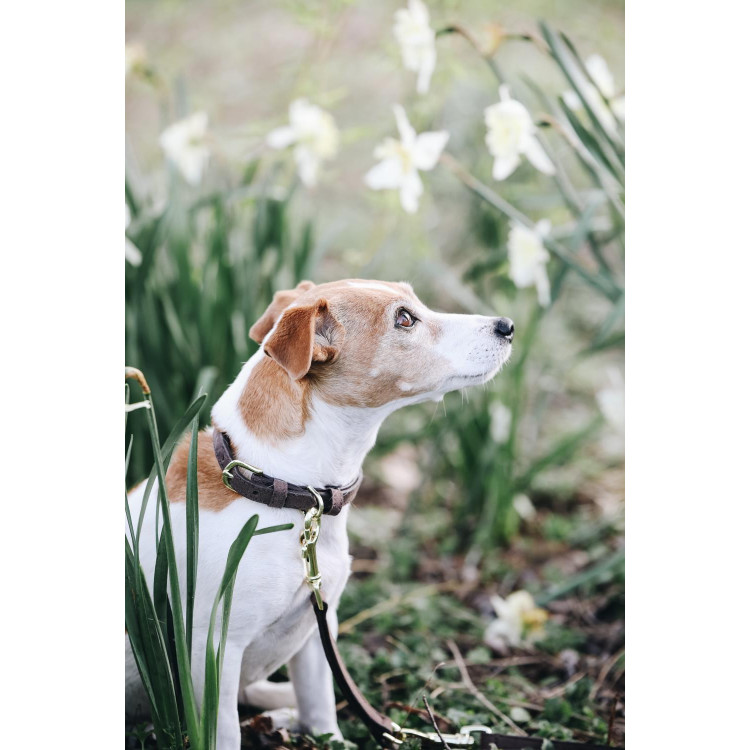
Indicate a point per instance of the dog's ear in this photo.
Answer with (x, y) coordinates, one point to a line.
(281, 300)
(305, 334)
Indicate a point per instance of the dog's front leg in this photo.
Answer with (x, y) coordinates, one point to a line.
(313, 684)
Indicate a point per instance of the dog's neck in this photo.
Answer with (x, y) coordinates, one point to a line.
(290, 434)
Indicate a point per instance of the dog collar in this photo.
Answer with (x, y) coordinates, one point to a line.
(252, 483)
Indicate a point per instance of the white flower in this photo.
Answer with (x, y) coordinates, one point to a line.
(500, 419)
(528, 259)
(401, 160)
(511, 133)
(417, 41)
(313, 133)
(185, 144)
(132, 253)
(519, 622)
(611, 400)
(602, 77)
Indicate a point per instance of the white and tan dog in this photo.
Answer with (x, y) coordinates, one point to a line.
(336, 359)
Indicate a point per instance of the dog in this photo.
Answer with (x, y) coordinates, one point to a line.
(335, 360)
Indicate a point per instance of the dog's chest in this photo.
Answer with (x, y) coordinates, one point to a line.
(288, 631)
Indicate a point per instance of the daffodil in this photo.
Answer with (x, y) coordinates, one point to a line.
(605, 83)
(528, 258)
(519, 622)
(416, 38)
(511, 133)
(402, 160)
(185, 144)
(313, 133)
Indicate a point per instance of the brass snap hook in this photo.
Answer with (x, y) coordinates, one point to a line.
(309, 540)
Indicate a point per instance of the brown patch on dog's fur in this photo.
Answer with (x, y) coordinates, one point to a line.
(281, 300)
(273, 406)
(212, 493)
(293, 345)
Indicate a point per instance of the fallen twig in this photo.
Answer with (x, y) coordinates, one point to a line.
(434, 723)
(474, 690)
(604, 672)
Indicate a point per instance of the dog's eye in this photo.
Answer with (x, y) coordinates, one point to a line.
(404, 319)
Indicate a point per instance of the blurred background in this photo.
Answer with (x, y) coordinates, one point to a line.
(467, 505)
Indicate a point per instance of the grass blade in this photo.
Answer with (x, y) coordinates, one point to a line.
(191, 521)
(166, 451)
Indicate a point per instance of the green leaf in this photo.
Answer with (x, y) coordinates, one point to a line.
(214, 659)
(166, 452)
(574, 73)
(191, 520)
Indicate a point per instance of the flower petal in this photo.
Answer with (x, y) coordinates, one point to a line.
(426, 69)
(405, 130)
(132, 253)
(419, 12)
(542, 285)
(385, 176)
(308, 165)
(411, 190)
(571, 99)
(538, 156)
(504, 166)
(281, 137)
(427, 149)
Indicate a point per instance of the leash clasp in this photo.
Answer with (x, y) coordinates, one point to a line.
(309, 540)
(462, 739)
(227, 476)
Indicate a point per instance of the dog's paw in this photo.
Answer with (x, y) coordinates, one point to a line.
(283, 718)
(268, 695)
(288, 719)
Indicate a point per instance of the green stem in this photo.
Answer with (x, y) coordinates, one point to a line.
(610, 290)
(574, 203)
(489, 59)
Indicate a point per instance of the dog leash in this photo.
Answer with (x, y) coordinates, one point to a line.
(253, 484)
(383, 730)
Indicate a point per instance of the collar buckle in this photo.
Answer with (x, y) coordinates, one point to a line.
(227, 476)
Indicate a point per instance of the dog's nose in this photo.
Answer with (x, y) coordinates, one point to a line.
(504, 328)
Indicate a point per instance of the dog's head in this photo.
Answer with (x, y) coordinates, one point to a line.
(372, 343)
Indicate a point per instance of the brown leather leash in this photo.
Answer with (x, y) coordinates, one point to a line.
(253, 484)
(389, 734)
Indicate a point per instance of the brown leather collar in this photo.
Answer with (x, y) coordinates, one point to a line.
(277, 493)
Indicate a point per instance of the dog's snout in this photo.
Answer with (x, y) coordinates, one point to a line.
(504, 328)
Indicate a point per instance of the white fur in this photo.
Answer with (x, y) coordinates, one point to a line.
(271, 622)
(372, 285)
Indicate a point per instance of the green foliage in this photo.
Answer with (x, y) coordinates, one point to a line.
(209, 269)
(160, 636)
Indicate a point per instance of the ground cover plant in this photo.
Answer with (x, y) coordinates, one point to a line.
(488, 535)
